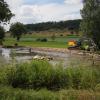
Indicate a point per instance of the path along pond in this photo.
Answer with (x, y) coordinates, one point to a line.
(66, 58)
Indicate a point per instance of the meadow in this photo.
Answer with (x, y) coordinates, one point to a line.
(32, 40)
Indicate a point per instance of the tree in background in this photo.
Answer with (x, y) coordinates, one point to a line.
(2, 34)
(5, 15)
(90, 25)
(17, 29)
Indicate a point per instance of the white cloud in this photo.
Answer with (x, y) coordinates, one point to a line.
(46, 12)
(14, 3)
(73, 1)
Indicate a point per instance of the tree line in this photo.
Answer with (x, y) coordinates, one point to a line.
(70, 24)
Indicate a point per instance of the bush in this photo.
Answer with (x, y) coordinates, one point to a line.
(16, 44)
(61, 35)
(41, 74)
(42, 40)
(37, 74)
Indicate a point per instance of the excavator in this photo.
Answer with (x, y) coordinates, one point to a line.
(83, 44)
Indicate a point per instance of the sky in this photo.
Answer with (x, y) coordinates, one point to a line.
(36, 11)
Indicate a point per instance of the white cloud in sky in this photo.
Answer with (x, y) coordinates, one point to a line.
(73, 1)
(46, 12)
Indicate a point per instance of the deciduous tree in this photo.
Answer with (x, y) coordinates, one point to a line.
(5, 13)
(91, 20)
(17, 29)
(5, 16)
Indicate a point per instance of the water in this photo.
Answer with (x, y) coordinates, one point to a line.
(22, 55)
(6, 56)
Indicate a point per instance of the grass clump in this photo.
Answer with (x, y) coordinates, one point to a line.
(40, 74)
(37, 75)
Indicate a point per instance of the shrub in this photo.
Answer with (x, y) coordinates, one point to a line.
(41, 74)
(16, 44)
(61, 35)
(37, 74)
(42, 40)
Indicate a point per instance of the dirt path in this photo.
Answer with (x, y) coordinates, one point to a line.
(51, 49)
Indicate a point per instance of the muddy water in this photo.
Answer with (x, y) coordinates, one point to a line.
(8, 55)
(66, 58)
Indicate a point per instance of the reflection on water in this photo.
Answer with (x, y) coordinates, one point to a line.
(6, 53)
(4, 56)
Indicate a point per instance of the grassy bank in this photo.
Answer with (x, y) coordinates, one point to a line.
(9, 93)
(39, 80)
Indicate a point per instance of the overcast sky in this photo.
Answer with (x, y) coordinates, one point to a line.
(34, 11)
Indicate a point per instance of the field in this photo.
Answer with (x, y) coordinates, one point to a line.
(32, 40)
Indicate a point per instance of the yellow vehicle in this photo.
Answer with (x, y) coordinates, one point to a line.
(72, 43)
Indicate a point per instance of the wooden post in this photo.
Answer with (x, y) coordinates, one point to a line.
(30, 50)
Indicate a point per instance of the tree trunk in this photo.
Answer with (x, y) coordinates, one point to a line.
(18, 38)
(1, 43)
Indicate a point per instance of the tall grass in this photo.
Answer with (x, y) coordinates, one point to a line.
(35, 80)
(9, 93)
(41, 74)
(37, 74)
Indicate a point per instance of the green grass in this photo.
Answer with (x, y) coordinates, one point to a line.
(9, 93)
(30, 40)
(41, 74)
(51, 44)
(39, 80)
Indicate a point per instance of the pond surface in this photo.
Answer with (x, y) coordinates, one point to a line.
(20, 55)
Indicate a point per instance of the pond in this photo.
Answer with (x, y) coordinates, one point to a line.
(20, 55)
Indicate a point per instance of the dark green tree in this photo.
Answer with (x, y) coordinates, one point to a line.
(5, 13)
(17, 29)
(5, 16)
(2, 34)
(90, 25)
